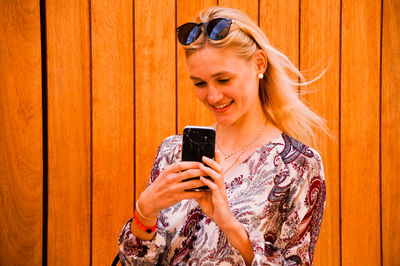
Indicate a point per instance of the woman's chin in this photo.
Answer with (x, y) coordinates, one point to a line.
(226, 121)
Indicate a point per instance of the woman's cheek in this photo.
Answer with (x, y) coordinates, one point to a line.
(201, 94)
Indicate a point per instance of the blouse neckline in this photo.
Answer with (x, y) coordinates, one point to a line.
(274, 141)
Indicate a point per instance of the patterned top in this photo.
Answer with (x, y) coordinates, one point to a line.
(278, 194)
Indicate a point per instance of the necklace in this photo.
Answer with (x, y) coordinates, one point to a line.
(244, 148)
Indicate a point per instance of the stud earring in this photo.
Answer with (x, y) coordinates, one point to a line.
(261, 76)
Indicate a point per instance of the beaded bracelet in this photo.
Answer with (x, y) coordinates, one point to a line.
(142, 227)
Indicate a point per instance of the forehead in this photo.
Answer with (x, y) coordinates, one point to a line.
(210, 60)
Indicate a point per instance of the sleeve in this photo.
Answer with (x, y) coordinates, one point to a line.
(132, 250)
(300, 229)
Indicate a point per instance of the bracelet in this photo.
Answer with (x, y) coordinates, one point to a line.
(142, 227)
(141, 214)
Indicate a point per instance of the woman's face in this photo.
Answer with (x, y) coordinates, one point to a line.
(226, 84)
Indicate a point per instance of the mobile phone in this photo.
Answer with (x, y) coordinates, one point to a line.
(198, 142)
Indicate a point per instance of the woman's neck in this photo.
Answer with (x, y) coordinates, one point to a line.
(241, 132)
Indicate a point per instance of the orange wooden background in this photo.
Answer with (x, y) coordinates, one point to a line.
(89, 89)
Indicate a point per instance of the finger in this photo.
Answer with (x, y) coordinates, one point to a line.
(217, 177)
(213, 164)
(181, 166)
(197, 195)
(190, 174)
(218, 156)
(190, 184)
(209, 183)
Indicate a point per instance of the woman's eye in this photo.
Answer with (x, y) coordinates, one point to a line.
(223, 81)
(200, 84)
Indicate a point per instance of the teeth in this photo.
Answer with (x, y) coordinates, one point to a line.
(222, 105)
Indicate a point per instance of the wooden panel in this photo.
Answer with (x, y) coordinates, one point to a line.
(68, 50)
(113, 135)
(155, 86)
(190, 110)
(21, 165)
(280, 22)
(250, 7)
(360, 132)
(319, 43)
(390, 132)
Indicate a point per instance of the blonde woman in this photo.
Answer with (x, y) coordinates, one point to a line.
(267, 192)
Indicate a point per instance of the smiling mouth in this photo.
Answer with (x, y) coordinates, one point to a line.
(221, 106)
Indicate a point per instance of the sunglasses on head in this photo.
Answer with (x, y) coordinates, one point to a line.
(216, 29)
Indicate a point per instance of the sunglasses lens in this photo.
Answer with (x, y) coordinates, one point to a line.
(188, 33)
(218, 28)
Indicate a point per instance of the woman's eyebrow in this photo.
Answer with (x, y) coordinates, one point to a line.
(214, 75)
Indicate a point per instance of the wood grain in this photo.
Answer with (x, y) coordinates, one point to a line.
(280, 22)
(360, 76)
(250, 7)
(113, 121)
(21, 164)
(390, 132)
(155, 84)
(190, 110)
(319, 49)
(68, 61)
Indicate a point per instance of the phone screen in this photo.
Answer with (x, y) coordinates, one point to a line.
(198, 142)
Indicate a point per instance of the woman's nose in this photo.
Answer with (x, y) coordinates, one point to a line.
(214, 95)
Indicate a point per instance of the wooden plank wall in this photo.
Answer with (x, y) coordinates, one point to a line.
(69, 133)
(89, 89)
(21, 134)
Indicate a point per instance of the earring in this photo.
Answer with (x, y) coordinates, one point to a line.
(261, 76)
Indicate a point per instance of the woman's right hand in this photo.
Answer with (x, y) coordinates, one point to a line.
(168, 188)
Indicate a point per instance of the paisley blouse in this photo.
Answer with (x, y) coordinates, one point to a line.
(278, 194)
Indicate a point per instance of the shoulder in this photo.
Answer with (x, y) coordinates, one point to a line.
(171, 142)
(170, 148)
(303, 165)
(298, 155)
(167, 153)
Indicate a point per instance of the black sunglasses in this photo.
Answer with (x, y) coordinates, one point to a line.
(216, 29)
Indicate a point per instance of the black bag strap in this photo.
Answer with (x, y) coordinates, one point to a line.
(114, 263)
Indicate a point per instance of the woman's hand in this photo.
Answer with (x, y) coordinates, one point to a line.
(169, 188)
(214, 203)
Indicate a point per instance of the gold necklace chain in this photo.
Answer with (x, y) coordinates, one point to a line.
(244, 148)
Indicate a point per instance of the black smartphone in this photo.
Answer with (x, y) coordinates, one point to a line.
(198, 142)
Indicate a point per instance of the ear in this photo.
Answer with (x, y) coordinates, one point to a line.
(260, 60)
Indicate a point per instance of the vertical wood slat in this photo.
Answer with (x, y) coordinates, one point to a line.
(155, 84)
(250, 7)
(360, 77)
(390, 132)
(280, 22)
(113, 131)
(319, 47)
(190, 111)
(68, 61)
(21, 152)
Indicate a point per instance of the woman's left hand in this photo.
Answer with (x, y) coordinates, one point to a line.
(214, 202)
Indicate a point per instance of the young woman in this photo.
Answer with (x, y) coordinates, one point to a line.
(267, 193)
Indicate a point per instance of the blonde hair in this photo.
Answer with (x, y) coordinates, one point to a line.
(277, 91)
